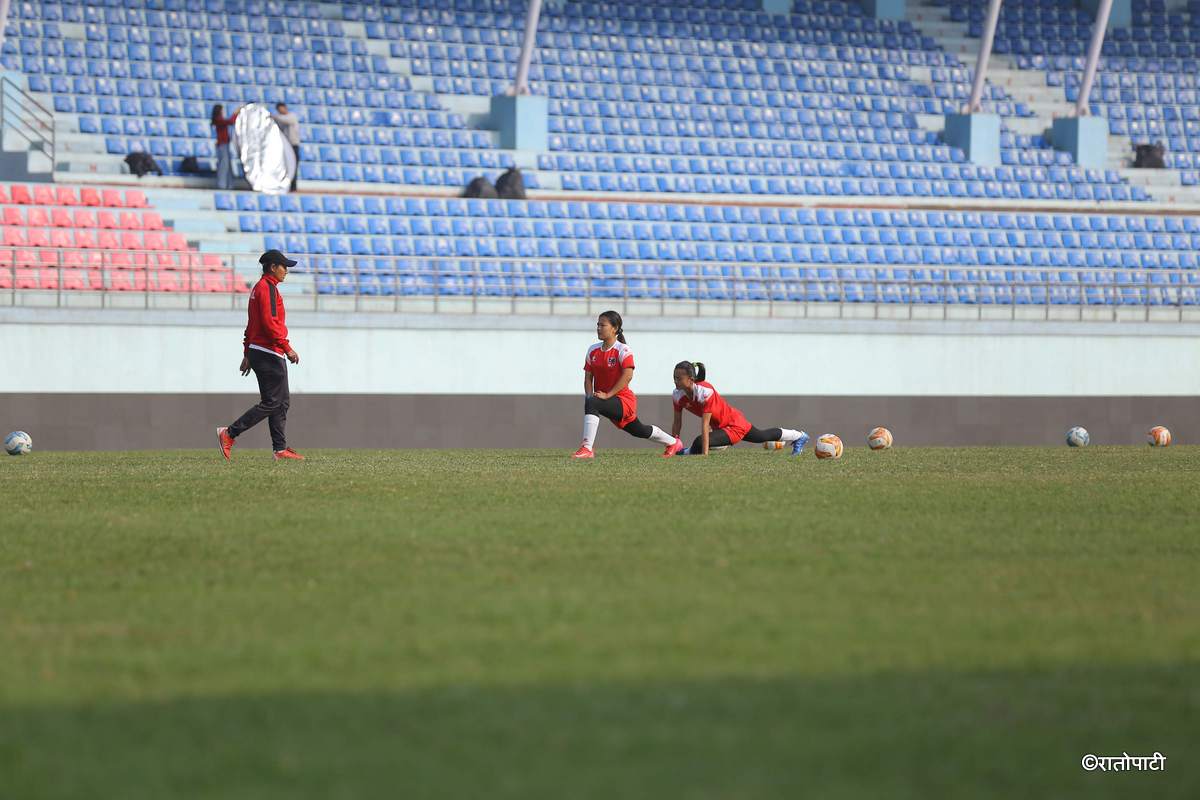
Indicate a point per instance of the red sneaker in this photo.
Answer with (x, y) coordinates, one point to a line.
(584, 452)
(288, 453)
(225, 442)
(673, 448)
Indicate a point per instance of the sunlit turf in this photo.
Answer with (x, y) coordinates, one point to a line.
(511, 624)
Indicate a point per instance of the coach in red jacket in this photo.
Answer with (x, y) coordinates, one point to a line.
(266, 350)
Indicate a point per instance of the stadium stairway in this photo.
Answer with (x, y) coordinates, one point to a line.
(1031, 87)
(1048, 89)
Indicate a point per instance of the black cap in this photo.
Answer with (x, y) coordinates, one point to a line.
(273, 257)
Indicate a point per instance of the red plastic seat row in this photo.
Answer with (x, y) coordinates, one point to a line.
(120, 280)
(183, 261)
(45, 194)
(104, 240)
(38, 217)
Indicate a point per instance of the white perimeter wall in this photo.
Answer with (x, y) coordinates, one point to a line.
(198, 352)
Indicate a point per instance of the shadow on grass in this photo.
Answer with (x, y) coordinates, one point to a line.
(989, 734)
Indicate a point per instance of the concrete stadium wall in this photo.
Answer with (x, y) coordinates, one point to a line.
(132, 380)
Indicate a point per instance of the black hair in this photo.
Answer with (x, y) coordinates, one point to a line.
(280, 104)
(614, 319)
(217, 111)
(694, 369)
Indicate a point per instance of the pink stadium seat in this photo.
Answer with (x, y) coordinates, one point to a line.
(155, 241)
(37, 218)
(48, 279)
(211, 261)
(4, 194)
(25, 258)
(90, 197)
(13, 216)
(26, 278)
(151, 221)
(218, 282)
(112, 199)
(107, 240)
(75, 280)
(38, 237)
(47, 258)
(169, 282)
(134, 198)
(166, 260)
(61, 218)
(107, 220)
(85, 219)
(175, 241)
(14, 237)
(84, 238)
(131, 221)
(131, 240)
(119, 259)
(43, 194)
(127, 281)
(6, 277)
(65, 196)
(20, 194)
(62, 237)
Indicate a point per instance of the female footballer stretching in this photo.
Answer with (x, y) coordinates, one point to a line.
(729, 426)
(607, 371)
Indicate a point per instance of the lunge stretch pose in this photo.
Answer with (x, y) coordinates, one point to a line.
(728, 425)
(607, 371)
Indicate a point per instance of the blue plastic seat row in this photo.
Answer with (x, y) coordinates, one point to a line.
(1147, 232)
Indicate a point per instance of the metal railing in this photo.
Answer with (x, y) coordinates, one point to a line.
(504, 285)
(28, 120)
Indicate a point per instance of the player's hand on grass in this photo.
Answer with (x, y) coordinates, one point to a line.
(245, 367)
(293, 356)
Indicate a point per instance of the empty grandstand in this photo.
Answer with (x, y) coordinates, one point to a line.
(699, 159)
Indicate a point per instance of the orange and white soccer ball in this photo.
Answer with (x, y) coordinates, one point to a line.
(829, 445)
(1158, 436)
(879, 439)
(772, 445)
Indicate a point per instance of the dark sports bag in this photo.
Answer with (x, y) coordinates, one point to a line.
(142, 164)
(511, 185)
(480, 188)
(1149, 156)
(190, 166)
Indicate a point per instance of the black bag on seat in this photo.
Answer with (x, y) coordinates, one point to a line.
(142, 164)
(479, 187)
(1149, 156)
(511, 185)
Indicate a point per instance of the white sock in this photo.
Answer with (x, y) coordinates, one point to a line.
(657, 434)
(591, 424)
(789, 435)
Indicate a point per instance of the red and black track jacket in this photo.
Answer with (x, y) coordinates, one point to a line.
(267, 328)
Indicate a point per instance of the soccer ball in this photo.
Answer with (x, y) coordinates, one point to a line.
(772, 445)
(1158, 436)
(828, 446)
(18, 443)
(879, 439)
(1078, 437)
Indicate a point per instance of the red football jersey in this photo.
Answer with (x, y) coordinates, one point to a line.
(606, 367)
(704, 399)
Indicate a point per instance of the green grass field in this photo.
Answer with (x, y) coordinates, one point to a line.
(919, 623)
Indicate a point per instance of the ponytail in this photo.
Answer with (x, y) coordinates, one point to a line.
(614, 319)
(694, 369)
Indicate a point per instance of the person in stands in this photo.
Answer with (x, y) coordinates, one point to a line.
(290, 125)
(224, 164)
